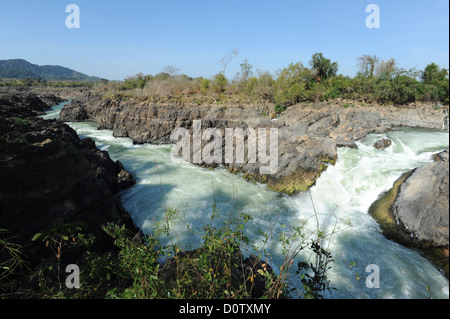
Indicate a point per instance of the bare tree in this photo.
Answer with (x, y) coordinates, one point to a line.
(367, 64)
(171, 70)
(386, 69)
(228, 58)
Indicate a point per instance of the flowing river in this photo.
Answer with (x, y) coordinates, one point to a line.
(338, 204)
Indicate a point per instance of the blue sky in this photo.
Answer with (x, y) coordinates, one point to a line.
(117, 39)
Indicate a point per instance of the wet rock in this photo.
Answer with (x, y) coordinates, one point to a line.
(422, 205)
(383, 144)
(415, 211)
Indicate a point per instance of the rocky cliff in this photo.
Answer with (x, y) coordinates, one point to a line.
(308, 134)
(48, 177)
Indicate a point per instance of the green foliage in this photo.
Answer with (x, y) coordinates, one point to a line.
(317, 282)
(323, 67)
(376, 82)
(208, 273)
(279, 108)
(13, 257)
(204, 85)
(212, 271)
(219, 83)
(62, 237)
(292, 84)
(437, 83)
(137, 261)
(338, 87)
(246, 70)
(137, 81)
(20, 121)
(433, 74)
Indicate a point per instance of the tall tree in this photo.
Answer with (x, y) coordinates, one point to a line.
(323, 67)
(246, 70)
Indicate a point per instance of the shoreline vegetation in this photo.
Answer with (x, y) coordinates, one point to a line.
(377, 82)
(118, 261)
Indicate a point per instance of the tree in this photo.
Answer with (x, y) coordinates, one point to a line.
(228, 58)
(434, 74)
(386, 69)
(265, 86)
(219, 83)
(171, 70)
(291, 84)
(246, 70)
(324, 67)
(367, 64)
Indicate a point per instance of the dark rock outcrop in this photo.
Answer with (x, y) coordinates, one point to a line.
(415, 211)
(309, 134)
(25, 101)
(48, 176)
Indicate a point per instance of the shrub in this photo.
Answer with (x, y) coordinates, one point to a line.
(204, 85)
(323, 67)
(291, 84)
(219, 83)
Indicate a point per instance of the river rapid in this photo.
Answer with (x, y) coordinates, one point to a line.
(337, 205)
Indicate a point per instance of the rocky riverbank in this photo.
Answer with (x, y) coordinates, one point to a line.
(50, 177)
(308, 134)
(415, 211)
(56, 194)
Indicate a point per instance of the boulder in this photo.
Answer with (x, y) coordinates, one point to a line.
(415, 211)
(383, 144)
(422, 205)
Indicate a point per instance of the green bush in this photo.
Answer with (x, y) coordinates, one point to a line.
(292, 84)
(323, 67)
(204, 85)
(219, 83)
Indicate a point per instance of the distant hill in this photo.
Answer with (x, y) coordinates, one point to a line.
(22, 69)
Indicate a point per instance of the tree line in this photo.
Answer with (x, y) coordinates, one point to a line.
(377, 81)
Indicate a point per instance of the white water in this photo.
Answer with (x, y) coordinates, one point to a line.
(342, 194)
